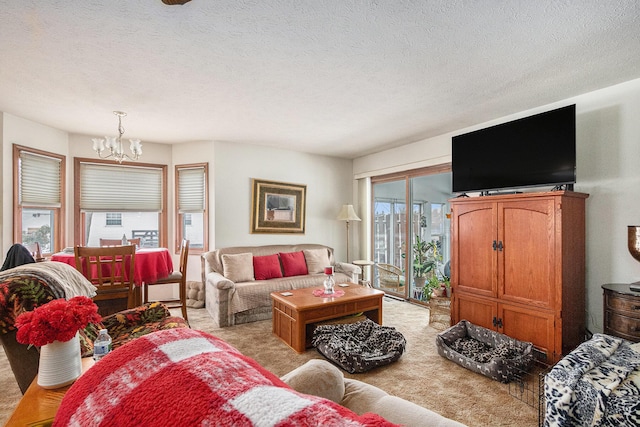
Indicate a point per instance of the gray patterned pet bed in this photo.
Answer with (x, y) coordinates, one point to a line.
(359, 347)
(484, 351)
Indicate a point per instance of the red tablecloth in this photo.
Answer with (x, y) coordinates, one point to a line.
(151, 264)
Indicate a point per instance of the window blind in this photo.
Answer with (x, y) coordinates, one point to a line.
(191, 189)
(118, 188)
(40, 180)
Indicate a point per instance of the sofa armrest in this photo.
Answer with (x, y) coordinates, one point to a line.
(218, 291)
(218, 281)
(351, 269)
(361, 397)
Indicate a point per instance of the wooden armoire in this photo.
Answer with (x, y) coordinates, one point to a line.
(518, 267)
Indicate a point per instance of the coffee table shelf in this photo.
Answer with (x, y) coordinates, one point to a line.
(294, 316)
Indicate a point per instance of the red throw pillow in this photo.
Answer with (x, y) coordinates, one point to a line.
(266, 267)
(293, 263)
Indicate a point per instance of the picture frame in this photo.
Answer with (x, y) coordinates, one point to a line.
(278, 207)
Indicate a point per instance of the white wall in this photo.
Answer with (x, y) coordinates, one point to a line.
(329, 184)
(608, 154)
(16, 130)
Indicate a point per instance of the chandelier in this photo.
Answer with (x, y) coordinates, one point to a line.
(114, 147)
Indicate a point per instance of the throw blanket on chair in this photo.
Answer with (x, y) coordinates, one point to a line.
(184, 377)
(597, 384)
(28, 286)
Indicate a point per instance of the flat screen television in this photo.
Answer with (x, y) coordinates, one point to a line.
(533, 151)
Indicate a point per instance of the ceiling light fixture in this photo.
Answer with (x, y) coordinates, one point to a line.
(114, 144)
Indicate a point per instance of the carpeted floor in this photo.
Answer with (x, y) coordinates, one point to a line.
(421, 375)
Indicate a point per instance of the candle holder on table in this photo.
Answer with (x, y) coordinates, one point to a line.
(329, 283)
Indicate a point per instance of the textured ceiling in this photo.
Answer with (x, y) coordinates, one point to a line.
(340, 77)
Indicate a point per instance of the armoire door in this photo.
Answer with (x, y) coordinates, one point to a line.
(473, 256)
(527, 252)
(477, 310)
(530, 325)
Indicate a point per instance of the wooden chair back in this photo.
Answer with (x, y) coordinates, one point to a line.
(176, 277)
(111, 270)
(184, 257)
(118, 242)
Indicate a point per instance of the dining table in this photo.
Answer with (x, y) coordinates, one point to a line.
(150, 265)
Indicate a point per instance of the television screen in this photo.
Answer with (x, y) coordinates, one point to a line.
(533, 151)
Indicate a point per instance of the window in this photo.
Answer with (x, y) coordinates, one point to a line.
(192, 205)
(113, 200)
(113, 218)
(38, 189)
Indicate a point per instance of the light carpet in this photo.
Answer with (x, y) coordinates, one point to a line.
(421, 375)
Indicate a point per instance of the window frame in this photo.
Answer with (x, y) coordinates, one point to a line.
(58, 212)
(205, 213)
(79, 217)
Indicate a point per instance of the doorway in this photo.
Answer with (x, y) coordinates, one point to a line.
(411, 245)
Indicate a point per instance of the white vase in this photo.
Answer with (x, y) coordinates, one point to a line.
(60, 363)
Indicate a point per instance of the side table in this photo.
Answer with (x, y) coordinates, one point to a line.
(440, 313)
(38, 406)
(363, 264)
(621, 307)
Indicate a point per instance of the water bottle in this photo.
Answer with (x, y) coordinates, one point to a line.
(102, 345)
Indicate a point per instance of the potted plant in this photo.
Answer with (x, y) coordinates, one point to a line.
(447, 286)
(431, 286)
(425, 258)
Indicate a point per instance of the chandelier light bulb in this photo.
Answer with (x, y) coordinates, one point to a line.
(114, 147)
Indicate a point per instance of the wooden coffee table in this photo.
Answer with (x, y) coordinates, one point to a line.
(294, 315)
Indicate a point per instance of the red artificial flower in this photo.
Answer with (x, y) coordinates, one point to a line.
(58, 320)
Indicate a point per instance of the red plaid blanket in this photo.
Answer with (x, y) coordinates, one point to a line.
(183, 377)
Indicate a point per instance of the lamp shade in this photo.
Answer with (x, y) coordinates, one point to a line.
(348, 214)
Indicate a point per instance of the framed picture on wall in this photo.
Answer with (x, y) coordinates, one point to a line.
(277, 207)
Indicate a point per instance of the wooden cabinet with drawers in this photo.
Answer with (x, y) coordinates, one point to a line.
(621, 311)
(518, 267)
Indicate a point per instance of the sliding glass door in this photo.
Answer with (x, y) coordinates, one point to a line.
(390, 236)
(411, 246)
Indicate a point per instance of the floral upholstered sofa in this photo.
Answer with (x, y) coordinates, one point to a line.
(28, 286)
(238, 280)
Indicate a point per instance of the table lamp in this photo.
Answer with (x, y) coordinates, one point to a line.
(348, 214)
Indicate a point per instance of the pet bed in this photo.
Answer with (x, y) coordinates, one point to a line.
(359, 347)
(484, 351)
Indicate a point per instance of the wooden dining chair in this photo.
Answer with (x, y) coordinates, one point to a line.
(176, 277)
(111, 270)
(118, 242)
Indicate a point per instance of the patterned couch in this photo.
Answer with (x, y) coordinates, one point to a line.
(238, 282)
(28, 286)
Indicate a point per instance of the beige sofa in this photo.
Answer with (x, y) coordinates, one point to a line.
(234, 296)
(320, 378)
